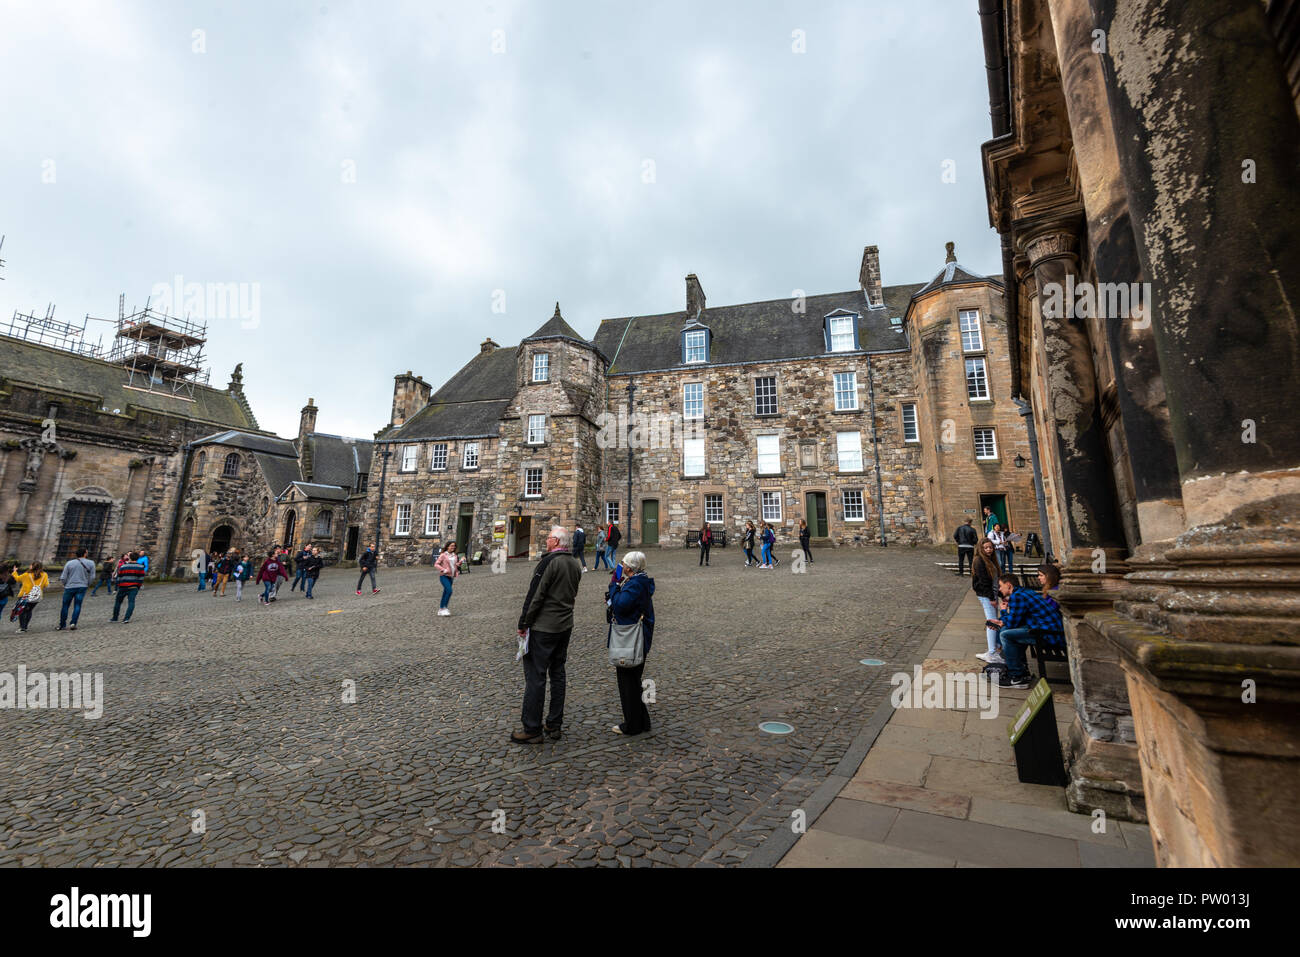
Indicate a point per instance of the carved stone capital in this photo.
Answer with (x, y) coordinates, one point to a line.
(1051, 243)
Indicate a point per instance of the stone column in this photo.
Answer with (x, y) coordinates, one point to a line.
(1196, 92)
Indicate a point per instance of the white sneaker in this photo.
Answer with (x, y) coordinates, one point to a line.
(984, 655)
(444, 611)
(995, 658)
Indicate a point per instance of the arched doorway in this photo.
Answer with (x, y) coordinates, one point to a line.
(290, 522)
(221, 537)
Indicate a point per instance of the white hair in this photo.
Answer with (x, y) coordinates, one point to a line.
(633, 562)
(561, 535)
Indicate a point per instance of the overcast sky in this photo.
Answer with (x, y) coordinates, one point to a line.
(379, 175)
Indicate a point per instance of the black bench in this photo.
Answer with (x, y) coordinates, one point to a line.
(693, 539)
(1044, 651)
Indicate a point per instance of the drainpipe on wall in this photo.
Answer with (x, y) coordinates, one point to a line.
(180, 503)
(875, 444)
(631, 396)
(1027, 412)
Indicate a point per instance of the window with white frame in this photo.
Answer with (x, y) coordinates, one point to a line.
(470, 459)
(541, 366)
(536, 429)
(977, 380)
(986, 444)
(410, 453)
(611, 513)
(848, 448)
(713, 508)
(771, 506)
(432, 518)
(769, 454)
(402, 520)
(693, 400)
(853, 507)
(765, 395)
(697, 345)
(910, 431)
(972, 338)
(438, 459)
(692, 457)
(846, 391)
(841, 329)
(532, 483)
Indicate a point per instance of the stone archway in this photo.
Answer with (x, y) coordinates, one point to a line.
(222, 537)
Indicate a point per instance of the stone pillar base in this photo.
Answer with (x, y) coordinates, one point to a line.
(1106, 775)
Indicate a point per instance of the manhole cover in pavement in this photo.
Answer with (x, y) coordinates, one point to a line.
(874, 662)
(775, 727)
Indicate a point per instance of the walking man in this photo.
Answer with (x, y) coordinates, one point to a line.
(612, 539)
(76, 577)
(547, 620)
(369, 559)
(966, 538)
(600, 549)
(130, 576)
(300, 576)
(580, 545)
(106, 569)
(309, 565)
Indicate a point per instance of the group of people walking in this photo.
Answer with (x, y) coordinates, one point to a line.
(607, 538)
(26, 588)
(764, 535)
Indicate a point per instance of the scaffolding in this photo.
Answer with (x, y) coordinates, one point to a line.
(48, 331)
(160, 352)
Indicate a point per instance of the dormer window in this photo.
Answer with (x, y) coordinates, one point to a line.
(541, 367)
(841, 333)
(695, 345)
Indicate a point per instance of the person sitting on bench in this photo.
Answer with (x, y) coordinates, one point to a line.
(1024, 612)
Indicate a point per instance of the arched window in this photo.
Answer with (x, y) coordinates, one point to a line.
(266, 504)
(231, 468)
(290, 524)
(200, 462)
(324, 522)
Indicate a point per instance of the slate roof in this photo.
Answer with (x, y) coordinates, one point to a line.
(329, 493)
(471, 402)
(336, 460)
(752, 331)
(556, 326)
(51, 368)
(951, 274)
(269, 444)
(280, 472)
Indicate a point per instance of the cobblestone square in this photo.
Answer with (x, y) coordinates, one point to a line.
(236, 711)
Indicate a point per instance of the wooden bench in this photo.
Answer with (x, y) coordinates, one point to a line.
(693, 539)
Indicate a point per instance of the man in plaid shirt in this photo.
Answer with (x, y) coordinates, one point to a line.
(1025, 611)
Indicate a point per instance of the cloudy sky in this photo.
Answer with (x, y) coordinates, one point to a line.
(380, 176)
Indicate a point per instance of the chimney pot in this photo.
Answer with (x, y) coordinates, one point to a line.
(869, 277)
(487, 346)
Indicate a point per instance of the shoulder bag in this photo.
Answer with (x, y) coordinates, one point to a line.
(626, 644)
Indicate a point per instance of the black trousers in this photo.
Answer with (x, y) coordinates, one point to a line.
(806, 554)
(636, 716)
(965, 555)
(704, 552)
(547, 653)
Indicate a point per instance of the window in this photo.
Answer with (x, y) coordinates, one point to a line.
(231, 468)
(692, 457)
(977, 382)
(533, 483)
(438, 460)
(972, 339)
(611, 513)
(848, 445)
(771, 506)
(200, 462)
(713, 509)
(696, 345)
(853, 510)
(402, 523)
(765, 396)
(324, 522)
(769, 454)
(410, 453)
(541, 366)
(841, 333)
(693, 400)
(536, 429)
(432, 518)
(363, 480)
(986, 444)
(470, 459)
(910, 432)
(846, 391)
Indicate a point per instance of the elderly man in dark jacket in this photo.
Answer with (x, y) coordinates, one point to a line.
(547, 619)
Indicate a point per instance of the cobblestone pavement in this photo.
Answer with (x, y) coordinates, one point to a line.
(236, 710)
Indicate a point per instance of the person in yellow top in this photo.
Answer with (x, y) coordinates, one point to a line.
(34, 581)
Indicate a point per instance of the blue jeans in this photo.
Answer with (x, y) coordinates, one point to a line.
(600, 557)
(767, 553)
(1007, 560)
(446, 590)
(203, 581)
(1014, 641)
(610, 559)
(73, 597)
(990, 611)
(268, 589)
(129, 595)
(102, 583)
(300, 578)
(310, 584)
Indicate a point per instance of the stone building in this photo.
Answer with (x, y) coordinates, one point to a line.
(1144, 189)
(728, 414)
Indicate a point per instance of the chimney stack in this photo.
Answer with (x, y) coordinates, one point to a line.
(487, 346)
(410, 395)
(952, 252)
(694, 297)
(307, 424)
(869, 277)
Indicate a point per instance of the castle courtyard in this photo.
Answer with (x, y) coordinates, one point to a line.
(225, 738)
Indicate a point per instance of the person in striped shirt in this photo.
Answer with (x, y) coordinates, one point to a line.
(130, 576)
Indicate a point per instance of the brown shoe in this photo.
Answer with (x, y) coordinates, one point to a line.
(553, 732)
(523, 737)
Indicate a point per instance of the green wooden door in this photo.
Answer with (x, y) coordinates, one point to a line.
(815, 514)
(650, 522)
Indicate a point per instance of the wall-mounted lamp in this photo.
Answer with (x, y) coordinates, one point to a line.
(1020, 461)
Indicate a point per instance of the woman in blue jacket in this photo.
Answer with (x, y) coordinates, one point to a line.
(629, 600)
